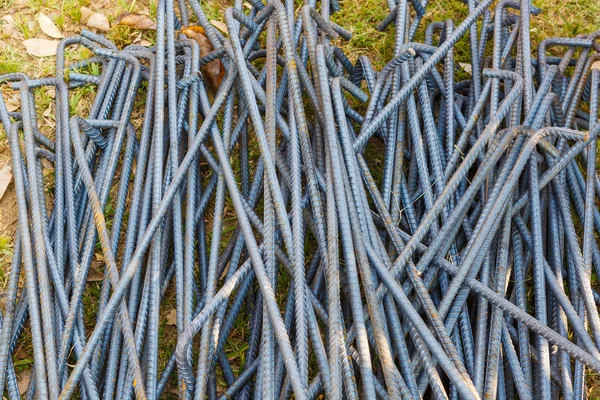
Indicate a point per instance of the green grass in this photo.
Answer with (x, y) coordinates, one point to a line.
(11, 60)
(365, 38)
(562, 19)
(6, 4)
(23, 25)
(6, 251)
(71, 10)
(566, 19)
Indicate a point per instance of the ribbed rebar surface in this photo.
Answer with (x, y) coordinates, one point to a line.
(304, 225)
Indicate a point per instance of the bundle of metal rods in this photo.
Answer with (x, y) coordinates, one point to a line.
(312, 227)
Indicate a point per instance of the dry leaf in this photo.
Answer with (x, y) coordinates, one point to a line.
(220, 26)
(94, 20)
(48, 111)
(467, 67)
(248, 5)
(193, 28)
(95, 276)
(47, 164)
(41, 47)
(24, 378)
(95, 273)
(5, 178)
(21, 353)
(8, 24)
(142, 42)
(135, 20)
(12, 104)
(214, 70)
(596, 65)
(172, 317)
(8, 19)
(85, 13)
(48, 167)
(98, 21)
(48, 26)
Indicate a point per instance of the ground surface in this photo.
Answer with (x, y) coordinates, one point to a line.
(558, 18)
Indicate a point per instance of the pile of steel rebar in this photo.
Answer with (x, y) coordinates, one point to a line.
(311, 226)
